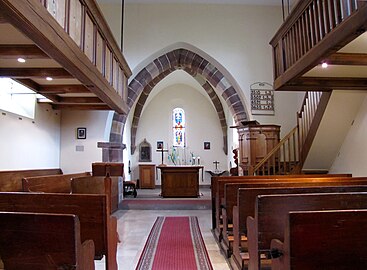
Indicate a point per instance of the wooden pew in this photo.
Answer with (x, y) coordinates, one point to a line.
(115, 170)
(12, 180)
(97, 185)
(93, 211)
(329, 240)
(220, 202)
(43, 241)
(271, 213)
(81, 183)
(217, 186)
(245, 207)
(231, 192)
(50, 183)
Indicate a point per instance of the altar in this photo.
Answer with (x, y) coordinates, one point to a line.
(180, 181)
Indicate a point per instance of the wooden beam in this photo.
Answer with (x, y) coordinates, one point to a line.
(36, 87)
(63, 89)
(58, 73)
(355, 59)
(89, 107)
(347, 31)
(325, 84)
(79, 100)
(24, 51)
(33, 20)
(30, 84)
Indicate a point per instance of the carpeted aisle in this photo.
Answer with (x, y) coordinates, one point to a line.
(175, 243)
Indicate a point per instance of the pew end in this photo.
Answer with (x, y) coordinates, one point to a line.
(43, 241)
(323, 239)
(98, 185)
(271, 215)
(96, 223)
(277, 260)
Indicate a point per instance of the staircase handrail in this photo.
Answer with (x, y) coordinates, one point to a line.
(276, 148)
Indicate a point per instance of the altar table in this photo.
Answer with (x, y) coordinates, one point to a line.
(180, 181)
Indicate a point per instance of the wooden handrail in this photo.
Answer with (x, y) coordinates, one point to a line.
(309, 122)
(279, 159)
(96, 39)
(309, 23)
(290, 154)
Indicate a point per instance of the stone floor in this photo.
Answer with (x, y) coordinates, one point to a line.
(134, 227)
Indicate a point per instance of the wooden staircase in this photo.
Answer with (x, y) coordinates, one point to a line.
(289, 155)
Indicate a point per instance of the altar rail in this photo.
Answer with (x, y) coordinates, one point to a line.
(83, 21)
(306, 27)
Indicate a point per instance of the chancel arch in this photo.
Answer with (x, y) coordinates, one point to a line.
(208, 74)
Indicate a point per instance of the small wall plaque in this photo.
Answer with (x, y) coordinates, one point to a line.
(262, 98)
(81, 133)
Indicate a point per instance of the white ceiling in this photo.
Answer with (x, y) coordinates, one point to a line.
(243, 2)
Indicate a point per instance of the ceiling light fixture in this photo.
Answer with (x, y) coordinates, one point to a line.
(49, 78)
(324, 65)
(21, 60)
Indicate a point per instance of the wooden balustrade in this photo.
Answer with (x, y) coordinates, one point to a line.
(291, 152)
(307, 113)
(282, 159)
(83, 21)
(309, 23)
(309, 118)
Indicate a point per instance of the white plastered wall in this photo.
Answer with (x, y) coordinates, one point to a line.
(30, 144)
(77, 155)
(353, 152)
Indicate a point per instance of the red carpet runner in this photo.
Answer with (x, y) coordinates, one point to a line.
(175, 243)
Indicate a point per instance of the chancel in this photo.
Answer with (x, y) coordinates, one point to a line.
(132, 74)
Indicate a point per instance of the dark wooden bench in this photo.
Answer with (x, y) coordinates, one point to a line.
(43, 241)
(271, 213)
(231, 191)
(111, 169)
(12, 180)
(329, 240)
(97, 185)
(93, 211)
(220, 201)
(50, 183)
(217, 186)
(81, 183)
(245, 207)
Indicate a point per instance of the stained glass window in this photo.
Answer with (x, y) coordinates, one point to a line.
(179, 125)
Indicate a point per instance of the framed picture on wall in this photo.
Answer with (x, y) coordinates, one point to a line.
(159, 145)
(206, 145)
(81, 133)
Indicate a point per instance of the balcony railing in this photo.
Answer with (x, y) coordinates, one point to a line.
(309, 23)
(83, 21)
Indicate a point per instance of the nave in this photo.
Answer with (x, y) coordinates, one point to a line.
(134, 227)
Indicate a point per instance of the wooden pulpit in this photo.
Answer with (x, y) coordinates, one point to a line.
(255, 142)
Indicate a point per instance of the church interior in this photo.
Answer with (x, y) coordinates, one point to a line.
(143, 117)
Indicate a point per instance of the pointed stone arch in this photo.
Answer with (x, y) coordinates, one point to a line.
(216, 83)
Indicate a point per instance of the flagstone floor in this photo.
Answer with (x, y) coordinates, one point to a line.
(134, 227)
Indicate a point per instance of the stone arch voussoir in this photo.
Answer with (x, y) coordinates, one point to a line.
(215, 83)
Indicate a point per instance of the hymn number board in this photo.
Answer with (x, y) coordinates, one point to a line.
(262, 99)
